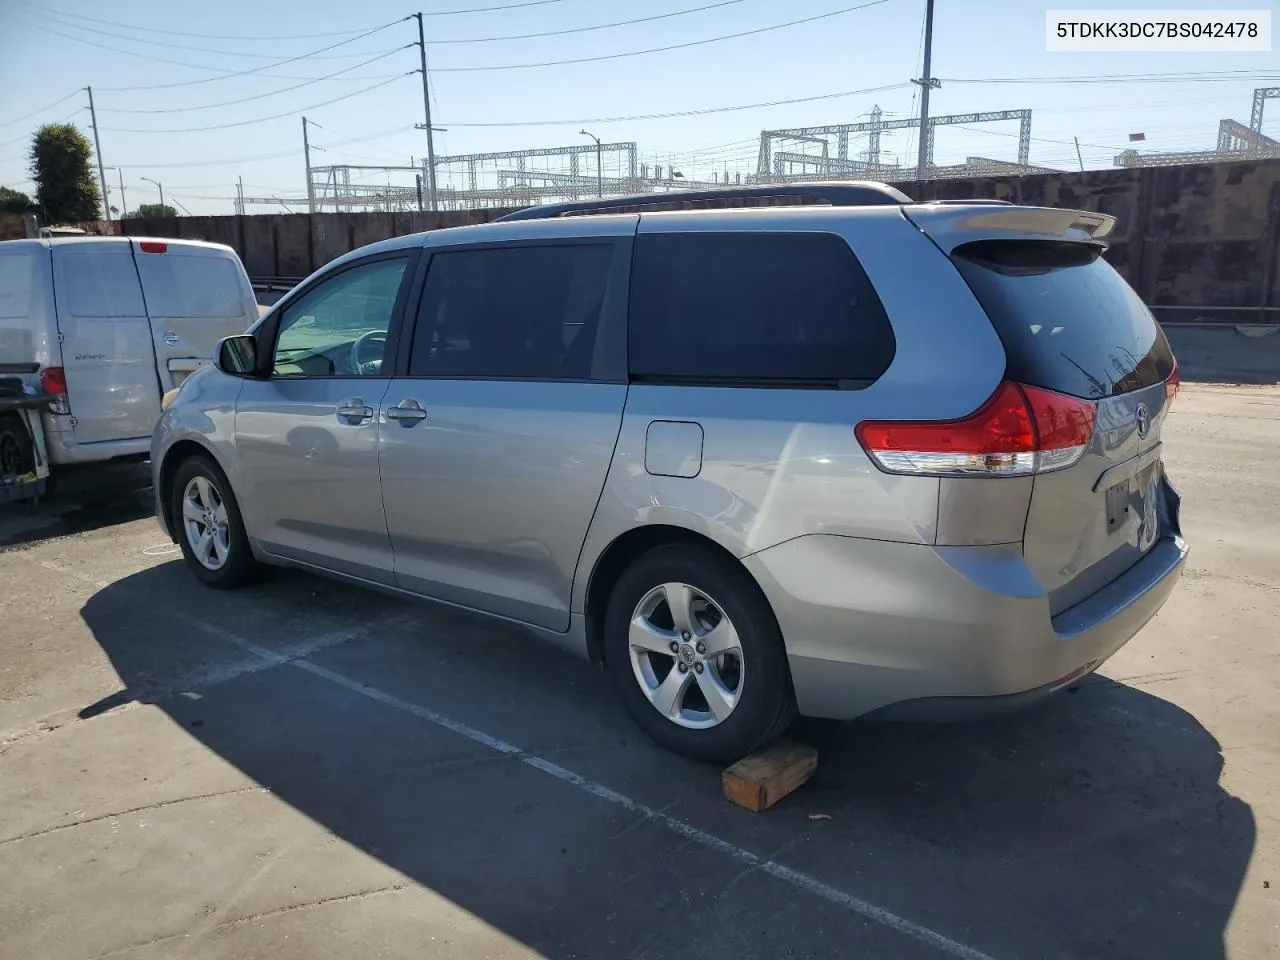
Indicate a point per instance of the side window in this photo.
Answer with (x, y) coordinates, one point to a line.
(191, 285)
(339, 327)
(100, 285)
(771, 308)
(527, 313)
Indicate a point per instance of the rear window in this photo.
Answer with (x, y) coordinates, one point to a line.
(184, 285)
(15, 284)
(100, 285)
(1068, 321)
(768, 309)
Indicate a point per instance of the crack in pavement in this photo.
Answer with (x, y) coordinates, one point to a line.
(124, 813)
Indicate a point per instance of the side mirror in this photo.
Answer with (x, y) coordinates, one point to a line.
(237, 356)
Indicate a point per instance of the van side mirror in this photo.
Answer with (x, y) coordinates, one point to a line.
(237, 356)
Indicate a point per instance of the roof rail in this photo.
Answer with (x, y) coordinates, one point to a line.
(846, 193)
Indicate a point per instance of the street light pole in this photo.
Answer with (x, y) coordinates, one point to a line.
(599, 165)
(157, 183)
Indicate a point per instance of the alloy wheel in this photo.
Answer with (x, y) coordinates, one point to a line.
(204, 519)
(686, 655)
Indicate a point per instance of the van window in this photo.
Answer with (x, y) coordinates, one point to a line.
(768, 309)
(1067, 320)
(179, 285)
(526, 312)
(15, 284)
(100, 285)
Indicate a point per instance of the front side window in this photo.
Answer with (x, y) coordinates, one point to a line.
(526, 313)
(339, 327)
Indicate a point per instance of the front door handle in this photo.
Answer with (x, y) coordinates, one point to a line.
(354, 412)
(407, 412)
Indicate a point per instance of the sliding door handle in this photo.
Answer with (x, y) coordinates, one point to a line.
(407, 412)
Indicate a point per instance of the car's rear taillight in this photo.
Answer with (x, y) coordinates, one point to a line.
(53, 381)
(1019, 431)
(1172, 383)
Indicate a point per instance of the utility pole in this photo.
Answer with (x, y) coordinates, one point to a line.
(599, 166)
(1078, 156)
(926, 83)
(306, 155)
(124, 207)
(240, 196)
(426, 111)
(97, 148)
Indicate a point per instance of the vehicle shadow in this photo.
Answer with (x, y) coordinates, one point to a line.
(87, 498)
(1093, 826)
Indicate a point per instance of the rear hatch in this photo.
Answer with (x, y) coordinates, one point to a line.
(196, 295)
(1071, 324)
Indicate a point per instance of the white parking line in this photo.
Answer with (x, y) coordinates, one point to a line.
(687, 830)
(795, 878)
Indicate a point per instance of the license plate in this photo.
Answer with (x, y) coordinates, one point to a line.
(1139, 495)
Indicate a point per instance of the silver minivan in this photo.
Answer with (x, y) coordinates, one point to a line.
(106, 325)
(838, 454)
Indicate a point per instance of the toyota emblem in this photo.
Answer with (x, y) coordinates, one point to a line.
(1144, 421)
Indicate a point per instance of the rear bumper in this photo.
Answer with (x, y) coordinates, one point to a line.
(912, 631)
(64, 450)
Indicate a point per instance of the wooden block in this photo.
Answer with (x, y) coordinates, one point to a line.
(766, 776)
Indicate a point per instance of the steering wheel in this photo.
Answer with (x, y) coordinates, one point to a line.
(358, 363)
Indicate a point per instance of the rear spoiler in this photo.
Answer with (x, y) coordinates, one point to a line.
(950, 225)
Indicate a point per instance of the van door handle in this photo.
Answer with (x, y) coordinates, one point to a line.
(354, 412)
(408, 412)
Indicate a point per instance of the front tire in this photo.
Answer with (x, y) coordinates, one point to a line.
(208, 525)
(695, 653)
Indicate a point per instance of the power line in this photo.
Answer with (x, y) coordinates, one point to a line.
(363, 139)
(598, 26)
(682, 113)
(48, 106)
(1004, 133)
(225, 74)
(663, 49)
(169, 44)
(206, 36)
(226, 161)
(263, 96)
(278, 116)
(1199, 77)
(208, 163)
(292, 36)
(505, 6)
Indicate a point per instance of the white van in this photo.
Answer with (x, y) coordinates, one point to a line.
(108, 325)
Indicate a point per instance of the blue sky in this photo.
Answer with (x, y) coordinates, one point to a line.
(51, 51)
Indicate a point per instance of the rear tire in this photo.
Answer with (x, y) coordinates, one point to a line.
(17, 456)
(734, 692)
(207, 523)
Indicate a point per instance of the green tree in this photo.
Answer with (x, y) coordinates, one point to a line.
(149, 210)
(61, 165)
(15, 201)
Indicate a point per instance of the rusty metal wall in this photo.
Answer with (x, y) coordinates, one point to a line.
(1192, 235)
